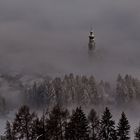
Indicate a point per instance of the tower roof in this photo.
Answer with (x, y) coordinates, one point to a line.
(92, 34)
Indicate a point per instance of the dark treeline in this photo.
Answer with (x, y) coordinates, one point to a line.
(61, 124)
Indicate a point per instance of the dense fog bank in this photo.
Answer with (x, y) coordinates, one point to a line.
(52, 37)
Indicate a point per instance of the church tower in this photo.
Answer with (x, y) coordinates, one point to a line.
(91, 44)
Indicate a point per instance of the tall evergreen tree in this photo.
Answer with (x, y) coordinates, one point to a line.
(93, 90)
(37, 95)
(56, 123)
(123, 128)
(22, 125)
(39, 129)
(107, 130)
(8, 132)
(120, 90)
(77, 128)
(137, 133)
(57, 84)
(94, 124)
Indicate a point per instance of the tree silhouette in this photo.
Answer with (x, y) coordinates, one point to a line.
(94, 124)
(137, 133)
(22, 125)
(107, 131)
(77, 128)
(123, 128)
(56, 123)
(8, 132)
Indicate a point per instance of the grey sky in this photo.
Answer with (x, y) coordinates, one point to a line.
(50, 36)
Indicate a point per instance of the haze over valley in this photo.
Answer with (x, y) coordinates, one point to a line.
(45, 60)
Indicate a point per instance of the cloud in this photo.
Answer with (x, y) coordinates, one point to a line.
(51, 37)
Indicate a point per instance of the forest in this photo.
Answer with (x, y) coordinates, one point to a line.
(71, 108)
(62, 124)
(69, 90)
(69, 70)
(83, 91)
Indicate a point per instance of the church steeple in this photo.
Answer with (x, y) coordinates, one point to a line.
(91, 44)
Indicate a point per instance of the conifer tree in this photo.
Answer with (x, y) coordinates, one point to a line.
(120, 90)
(93, 90)
(123, 128)
(57, 84)
(94, 123)
(22, 125)
(38, 129)
(8, 132)
(137, 133)
(77, 128)
(107, 130)
(56, 123)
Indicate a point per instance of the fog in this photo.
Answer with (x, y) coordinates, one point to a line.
(51, 37)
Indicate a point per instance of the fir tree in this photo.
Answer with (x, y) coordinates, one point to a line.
(77, 128)
(137, 133)
(123, 128)
(8, 132)
(94, 123)
(38, 129)
(120, 90)
(107, 131)
(93, 90)
(57, 84)
(38, 95)
(56, 123)
(22, 125)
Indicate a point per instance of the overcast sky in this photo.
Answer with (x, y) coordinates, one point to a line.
(51, 36)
